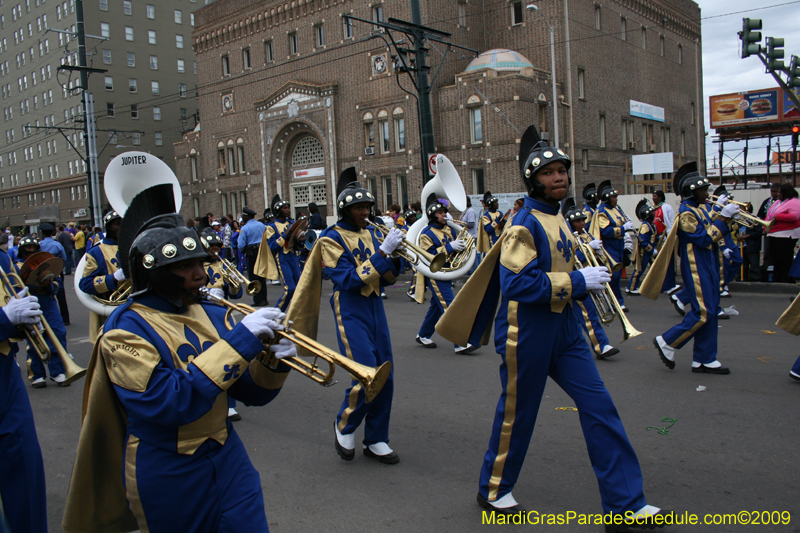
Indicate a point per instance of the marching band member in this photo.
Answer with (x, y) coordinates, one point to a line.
(537, 336)
(23, 498)
(610, 226)
(250, 237)
(358, 265)
(696, 232)
(492, 223)
(102, 274)
(730, 258)
(663, 219)
(156, 396)
(647, 241)
(219, 288)
(585, 310)
(46, 296)
(590, 202)
(48, 243)
(438, 237)
(287, 260)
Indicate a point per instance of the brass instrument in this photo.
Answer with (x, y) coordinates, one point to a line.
(371, 379)
(36, 337)
(605, 310)
(747, 219)
(414, 254)
(120, 294)
(458, 258)
(628, 331)
(236, 279)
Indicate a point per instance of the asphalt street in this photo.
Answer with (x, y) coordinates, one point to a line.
(732, 447)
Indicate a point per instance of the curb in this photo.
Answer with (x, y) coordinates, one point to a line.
(764, 288)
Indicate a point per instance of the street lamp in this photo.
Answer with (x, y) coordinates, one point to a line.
(534, 7)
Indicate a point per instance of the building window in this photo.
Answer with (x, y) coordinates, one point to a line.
(224, 198)
(107, 57)
(388, 197)
(178, 16)
(581, 84)
(151, 11)
(377, 16)
(128, 33)
(627, 135)
(680, 54)
(243, 198)
(137, 138)
(109, 83)
(383, 128)
(516, 13)
(319, 33)
(196, 205)
(181, 65)
(151, 36)
(131, 59)
(661, 46)
(683, 143)
(233, 203)
(462, 13)
(308, 151)
(226, 66)
(602, 131)
(221, 163)
(127, 8)
(157, 113)
(348, 27)
(584, 159)
(159, 138)
(240, 154)
(179, 41)
(182, 90)
(693, 119)
(103, 6)
(268, 52)
(475, 125)
(623, 28)
(134, 110)
(154, 87)
(153, 62)
(665, 140)
(105, 29)
(110, 109)
(193, 166)
(231, 158)
(644, 37)
(246, 58)
(597, 17)
(133, 86)
(399, 134)
(293, 49)
(477, 181)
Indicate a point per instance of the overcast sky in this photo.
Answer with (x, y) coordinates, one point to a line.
(725, 72)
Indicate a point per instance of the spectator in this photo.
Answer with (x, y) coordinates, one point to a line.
(783, 235)
(66, 240)
(80, 244)
(227, 233)
(752, 250)
(774, 192)
(316, 221)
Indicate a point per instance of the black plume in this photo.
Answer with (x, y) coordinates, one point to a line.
(348, 175)
(568, 203)
(529, 140)
(155, 201)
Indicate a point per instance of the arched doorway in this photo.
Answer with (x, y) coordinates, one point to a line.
(307, 171)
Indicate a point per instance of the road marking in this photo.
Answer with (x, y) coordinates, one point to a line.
(762, 359)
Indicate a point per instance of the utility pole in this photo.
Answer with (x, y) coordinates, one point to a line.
(426, 137)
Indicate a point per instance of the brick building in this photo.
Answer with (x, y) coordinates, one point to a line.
(291, 94)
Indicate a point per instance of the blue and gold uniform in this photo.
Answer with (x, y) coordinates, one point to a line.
(358, 271)
(216, 280)
(647, 240)
(436, 239)
(590, 202)
(607, 225)
(102, 261)
(22, 485)
(287, 260)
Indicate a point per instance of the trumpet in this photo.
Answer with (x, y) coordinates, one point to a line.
(628, 331)
(747, 219)
(414, 254)
(36, 337)
(236, 279)
(371, 379)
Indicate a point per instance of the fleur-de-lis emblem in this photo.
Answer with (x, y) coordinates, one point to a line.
(365, 271)
(362, 253)
(115, 261)
(231, 372)
(562, 294)
(565, 246)
(213, 277)
(187, 352)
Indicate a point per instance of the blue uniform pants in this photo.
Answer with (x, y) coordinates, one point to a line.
(669, 279)
(796, 367)
(562, 354)
(636, 277)
(289, 267)
(586, 313)
(364, 337)
(441, 298)
(219, 489)
(49, 307)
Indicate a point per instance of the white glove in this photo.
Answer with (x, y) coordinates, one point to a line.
(264, 322)
(726, 253)
(628, 226)
(217, 293)
(595, 277)
(392, 241)
(22, 310)
(722, 200)
(284, 348)
(655, 252)
(458, 245)
(119, 275)
(730, 210)
(596, 244)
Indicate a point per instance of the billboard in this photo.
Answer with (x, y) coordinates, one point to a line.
(650, 112)
(751, 107)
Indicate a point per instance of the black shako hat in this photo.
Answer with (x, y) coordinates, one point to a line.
(688, 179)
(571, 211)
(606, 190)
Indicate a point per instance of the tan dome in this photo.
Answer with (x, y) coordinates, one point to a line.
(500, 59)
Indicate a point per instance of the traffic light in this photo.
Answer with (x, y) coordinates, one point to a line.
(749, 37)
(795, 133)
(774, 54)
(793, 78)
